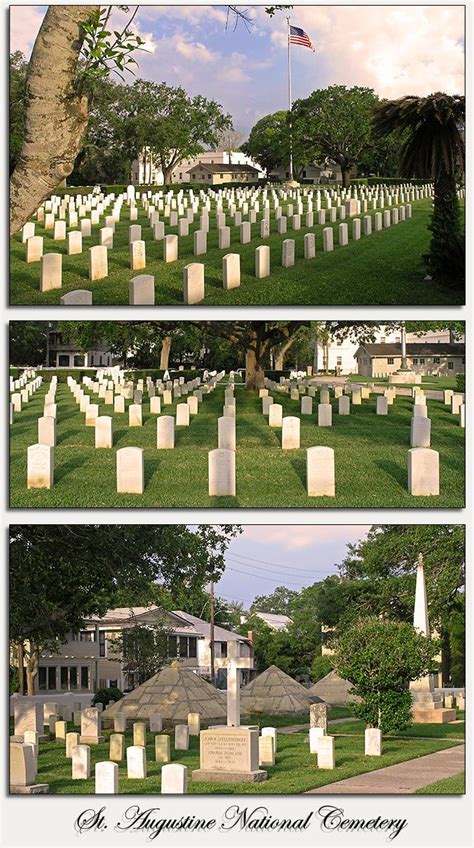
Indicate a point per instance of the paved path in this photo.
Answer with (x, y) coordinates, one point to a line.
(403, 778)
(294, 728)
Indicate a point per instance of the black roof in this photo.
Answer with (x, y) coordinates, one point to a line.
(223, 169)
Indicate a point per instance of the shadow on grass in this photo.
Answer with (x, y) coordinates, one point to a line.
(66, 468)
(394, 471)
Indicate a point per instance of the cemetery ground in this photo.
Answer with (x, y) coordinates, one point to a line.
(385, 268)
(371, 455)
(295, 769)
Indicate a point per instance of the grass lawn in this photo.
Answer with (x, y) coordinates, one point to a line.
(416, 731)
(385, 268)
(371, 457)
(455, 785)
(295, 770)
(265, 720)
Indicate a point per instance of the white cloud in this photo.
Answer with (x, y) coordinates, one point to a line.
(25, 22)
(297, 536)
(195, 52)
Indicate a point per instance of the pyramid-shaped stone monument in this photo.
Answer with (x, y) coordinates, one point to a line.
(276, 693)
(333, 690)
(173, 693)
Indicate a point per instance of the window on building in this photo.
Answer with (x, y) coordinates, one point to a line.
(73, 677)
(113, 683)
(223, 649)
(101, 643)
(383, 340)
(415, 361)
(192, 646)
(436, 360)
(91, 359)
(64, 676)
(172, 646)
(339, 360)
(84, 677)
(42, 679)
(390, 360)
(422, 361)
(450, 366)
(52, 677)
(183, 646)
(86, 636)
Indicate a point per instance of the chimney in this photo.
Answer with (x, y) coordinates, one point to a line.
(250, 635)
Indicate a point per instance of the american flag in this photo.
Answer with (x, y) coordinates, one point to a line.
(299, 36)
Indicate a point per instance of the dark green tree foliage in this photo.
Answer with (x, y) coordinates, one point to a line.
(380, 658)
(269, 144)
(27, 342)
(334, 124)
(433, 149)
(18, 69)
(321, 666)
(279, 602)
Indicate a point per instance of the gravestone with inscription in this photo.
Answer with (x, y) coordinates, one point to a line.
(229, 755)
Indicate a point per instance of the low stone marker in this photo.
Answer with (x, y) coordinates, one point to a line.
(81, 762)
(382, 406)
(130, 471)
(103, 431)
(229, 755)
(226, 433)
(72, 741)
(40, 471)
(165, 428)
(117, 747)
(162, 749)
(275, 415)
(174, 779)
(344, 405)
(290, 434)
(34, 249)
(120, 723)
(181, 737)
(315, 734)
(170, 248)
(142, 290)
(47, 431)
(288, 253)
(106, 778)
(373, 742)
(320, 472)
(23, 771)
(306, 405)
(318, 716)
(222, 473)
(98, 262)
(343, 235)
(136, 762)
(194, 724)
(326, 752)
(423, 472)
(328, 239)
(182, 415)
(91, 727)
(60, 730)
(262, 262)
(200, 242)
(272, 733)
(78, 297)
(193, 282)
(325, 415)
(231, 271)
(420, 433)
(139, 733)
(309, 246)
(51, 271)
(156, 723)
(266, 754)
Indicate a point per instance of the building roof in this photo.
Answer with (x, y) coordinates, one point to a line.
(223, 169)
(127, 615)
(204, 627)
(414, 349)
(277, 622)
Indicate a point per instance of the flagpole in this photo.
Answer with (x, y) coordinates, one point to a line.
(289, 100)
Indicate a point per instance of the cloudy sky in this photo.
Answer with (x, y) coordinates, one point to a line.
(396, 50)
(293, 555)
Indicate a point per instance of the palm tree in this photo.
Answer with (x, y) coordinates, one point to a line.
(433, 149)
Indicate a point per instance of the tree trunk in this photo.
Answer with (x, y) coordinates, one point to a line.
(345, 177)
(281, 353)
(21, 668)
(32, 669)
(254, 370)
(55, 117)
(165, 352)
(166, 175)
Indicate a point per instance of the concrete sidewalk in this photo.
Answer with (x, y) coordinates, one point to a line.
(403, 778)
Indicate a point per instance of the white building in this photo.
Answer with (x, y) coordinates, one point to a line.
(339, 356)
(145, 172)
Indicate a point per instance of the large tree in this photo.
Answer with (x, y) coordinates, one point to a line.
(269, 144)
(169, 125)
(61, 574)
(431, 131)
(335, 124)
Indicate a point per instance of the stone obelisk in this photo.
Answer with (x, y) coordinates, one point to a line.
(427, 704)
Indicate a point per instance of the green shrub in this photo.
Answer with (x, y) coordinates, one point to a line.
(394, 181)
(359, 181)
(461, 382)
(320, 666)
(157, 373)
(104, 696)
